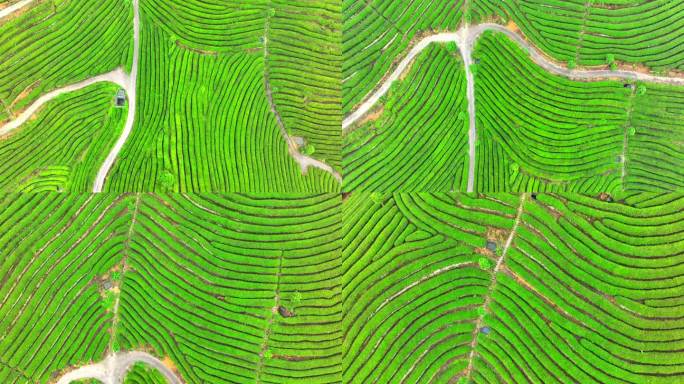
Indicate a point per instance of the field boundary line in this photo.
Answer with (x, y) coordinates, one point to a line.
(488, 298)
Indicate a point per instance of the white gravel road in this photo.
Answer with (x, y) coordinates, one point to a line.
(112, 370)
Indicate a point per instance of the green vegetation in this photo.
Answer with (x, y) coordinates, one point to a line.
(304, 65)
(540, 132)
(589, 291)
(143, 374)
(376, 32)
(62, 148)
(419, 139)
(646, 32)
(270, 274)
(205, 272)
(51, 316)
(56, 43)
(211, 104)
(295, 288)
(655, 145)
(211, 282)
(204, 122)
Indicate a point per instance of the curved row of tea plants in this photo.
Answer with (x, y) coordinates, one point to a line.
(304, 68)
(569, 288)
(53, 44)
(229, 288)
(546, 133)
(62, 148)
(58, 251)
(542, 132)
(141, 373)
(299, 41)
(417, 138)
(201, 24)
(591, 293)
(413, 282)
(376, 32)
(204, 124)
(655, 141)
(236, 288)
(592, 33)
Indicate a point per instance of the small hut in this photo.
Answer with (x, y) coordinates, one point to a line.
(121, 98)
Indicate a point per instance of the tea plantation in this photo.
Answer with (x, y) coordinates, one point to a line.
(341, 191)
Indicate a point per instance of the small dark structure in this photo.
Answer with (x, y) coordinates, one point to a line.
(485, 330)
(491, 245)
(107, 285)
(120, 98)
(534, 196)
(627, 85)
(284, 312)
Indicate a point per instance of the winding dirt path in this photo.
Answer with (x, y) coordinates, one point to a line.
(116, 76)
(14, 8)
(112, 370)
(130, 87)
(465, 38)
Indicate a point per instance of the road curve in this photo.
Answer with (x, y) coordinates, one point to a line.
(116, 76)
(371, 100)
(130, 88)
(13, 8)
(113, 369)
(465, 39)
(573, 74)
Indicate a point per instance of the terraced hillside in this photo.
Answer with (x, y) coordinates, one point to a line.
(249, 109)
(52, 44)
(299, 42)
(505, 288)
(56, 258)
(630, 32)
(416, 139)
(542, 132)
(62, 148)
(304, 68)
(341, 191)
(655, 140)
(376, 32)
(228, 288)
(187, 139)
